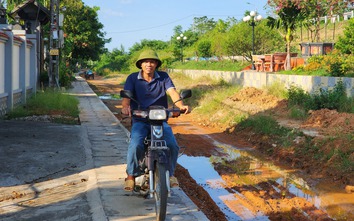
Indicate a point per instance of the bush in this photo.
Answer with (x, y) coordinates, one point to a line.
(105, 72)
(335, 99)
(346, 42)
(330, 99)
(297, 96)
(348, 65)
(334, 64)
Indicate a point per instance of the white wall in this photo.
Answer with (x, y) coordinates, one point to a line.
(15, 67)
(310, 84)
(2, 67)
(28, 67)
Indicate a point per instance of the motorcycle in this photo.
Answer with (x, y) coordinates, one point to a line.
(89, 75)
(154, 180)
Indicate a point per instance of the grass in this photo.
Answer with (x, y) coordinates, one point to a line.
(208, 97)
(264, 125)
(320, 72)
(298, 113)
(277, 89)
(326, 152)
(50, 102)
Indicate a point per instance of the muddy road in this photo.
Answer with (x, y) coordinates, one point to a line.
(229, 178)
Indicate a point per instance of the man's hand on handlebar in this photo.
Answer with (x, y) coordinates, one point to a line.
(126, 111)
(185, 109)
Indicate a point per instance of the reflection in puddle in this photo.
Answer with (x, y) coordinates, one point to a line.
(250, 171)
(292, 188)
(202, 171)
(107, 97)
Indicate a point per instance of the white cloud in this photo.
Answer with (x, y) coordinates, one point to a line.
(111, 13)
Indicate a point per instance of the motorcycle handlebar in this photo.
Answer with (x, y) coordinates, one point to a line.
(175, 112)
(172, 112)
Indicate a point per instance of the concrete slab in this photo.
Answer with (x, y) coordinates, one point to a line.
(65, 172)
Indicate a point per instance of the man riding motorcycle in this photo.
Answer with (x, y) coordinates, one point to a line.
(150, 87)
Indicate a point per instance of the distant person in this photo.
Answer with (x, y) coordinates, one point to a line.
(89, 74)
(150, 87)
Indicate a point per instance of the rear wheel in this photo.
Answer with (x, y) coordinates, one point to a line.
(160, 191)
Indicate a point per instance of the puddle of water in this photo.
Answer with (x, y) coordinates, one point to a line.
(107, 97)
(203, 172)
(311, 133)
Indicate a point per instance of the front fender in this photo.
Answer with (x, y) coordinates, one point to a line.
(162, 157)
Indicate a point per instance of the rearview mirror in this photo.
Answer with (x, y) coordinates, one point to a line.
(186, 94)
(126, 94)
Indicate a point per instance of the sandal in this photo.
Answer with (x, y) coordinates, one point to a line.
(174, 182)
(129, 185)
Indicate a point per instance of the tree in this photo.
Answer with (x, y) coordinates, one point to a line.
(217, 36)
(117, 60)
(191, 36)
(289, 15)
(346, 43)
(84, 36)
(201, 25)
(315, 9)
(204, 48)
(153, 44)
(238, 40)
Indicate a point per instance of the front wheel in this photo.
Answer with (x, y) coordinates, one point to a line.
(160, 191)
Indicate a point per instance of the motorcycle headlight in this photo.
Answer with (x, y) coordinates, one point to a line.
(157, 114)
(140, 113)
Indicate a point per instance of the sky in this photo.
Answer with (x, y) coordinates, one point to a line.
(128, 22)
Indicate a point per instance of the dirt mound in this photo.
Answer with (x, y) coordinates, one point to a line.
(330, 121)
(253, 100)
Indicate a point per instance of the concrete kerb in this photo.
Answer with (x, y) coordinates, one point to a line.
(92, 190)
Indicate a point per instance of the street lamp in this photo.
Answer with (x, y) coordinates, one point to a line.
(252, 19)
(181, 38)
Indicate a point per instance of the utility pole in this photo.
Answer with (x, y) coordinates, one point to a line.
(54, 44)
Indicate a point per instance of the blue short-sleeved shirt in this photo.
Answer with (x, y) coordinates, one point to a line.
(149, 93)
